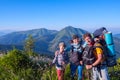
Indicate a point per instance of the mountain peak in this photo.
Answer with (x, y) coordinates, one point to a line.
(73, 29)
(69, 27)
(66, 35)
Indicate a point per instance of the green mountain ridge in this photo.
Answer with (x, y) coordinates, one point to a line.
(46, 41)
(19, 37)
(65, 35)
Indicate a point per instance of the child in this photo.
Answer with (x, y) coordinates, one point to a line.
(60, 59)
(75, 57)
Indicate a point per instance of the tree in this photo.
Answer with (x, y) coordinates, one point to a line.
(29, 45)
(16, 65)
(114, 72)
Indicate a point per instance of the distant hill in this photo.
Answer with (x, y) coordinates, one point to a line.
(2, 33)
(117, 46)
(20, 37)
(117, 35)
(65, 35)
(42, 38)
(46, 41)
(10, 47)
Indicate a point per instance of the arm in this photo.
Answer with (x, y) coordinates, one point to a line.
(66, 58)
(99, 54)
(98, 60)
(55, 58)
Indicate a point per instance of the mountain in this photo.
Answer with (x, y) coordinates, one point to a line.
(117, 35)
(65, 35)
(19, 37)
(42, 38)
(5, 48)
(4, 32)
(46, 41)
(117, 46)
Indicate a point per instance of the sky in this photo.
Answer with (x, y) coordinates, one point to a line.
(18, 15)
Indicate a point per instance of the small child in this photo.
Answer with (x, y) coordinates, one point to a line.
(76, 57)
(60, 59)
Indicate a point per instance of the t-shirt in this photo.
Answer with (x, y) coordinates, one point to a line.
(98, 51)
(59, 58)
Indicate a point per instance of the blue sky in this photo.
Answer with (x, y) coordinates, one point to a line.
(56, 14)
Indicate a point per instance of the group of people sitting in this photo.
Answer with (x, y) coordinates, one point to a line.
(88, 54)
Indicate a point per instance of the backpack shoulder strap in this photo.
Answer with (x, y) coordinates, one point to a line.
(80, 47)
(97, 45)
(88, 48)
(71, 48)
(94, 47)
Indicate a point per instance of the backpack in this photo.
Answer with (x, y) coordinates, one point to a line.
(75, 56)
(109, 60)
(107, 46)
(88, 57)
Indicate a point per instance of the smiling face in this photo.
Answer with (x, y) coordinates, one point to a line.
(88, 40)
(61, 46)
(76, 41)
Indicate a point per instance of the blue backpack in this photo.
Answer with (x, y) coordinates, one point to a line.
(107, 46)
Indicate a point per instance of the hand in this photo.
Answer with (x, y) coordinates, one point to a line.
(88, 66)
(56, 53)
(63, 62)
(50, 64)
(81, 62)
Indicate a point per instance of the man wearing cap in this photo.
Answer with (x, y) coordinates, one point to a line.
(99, 71)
